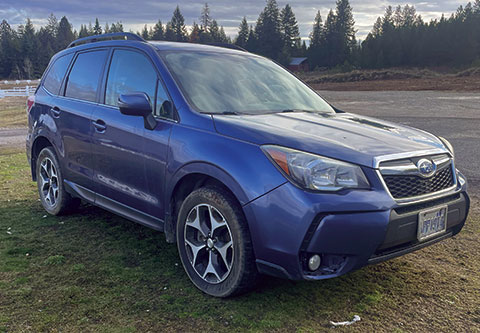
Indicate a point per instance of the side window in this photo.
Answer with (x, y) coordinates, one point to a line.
(160, 109)
(55, 75)
(85, 75)
(129, 72)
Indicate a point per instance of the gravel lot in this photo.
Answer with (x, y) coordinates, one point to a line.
(453, 115)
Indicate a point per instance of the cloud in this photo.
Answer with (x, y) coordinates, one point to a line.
(135, 14)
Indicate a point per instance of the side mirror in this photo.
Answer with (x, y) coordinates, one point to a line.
(137, 104)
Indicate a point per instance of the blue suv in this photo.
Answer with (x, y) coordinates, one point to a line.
(236, 160)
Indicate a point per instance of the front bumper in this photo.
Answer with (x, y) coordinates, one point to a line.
(349, 229)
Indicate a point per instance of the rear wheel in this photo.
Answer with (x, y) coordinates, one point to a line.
(214, 243)
(55, 200)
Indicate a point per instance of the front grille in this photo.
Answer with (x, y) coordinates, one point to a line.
(406, 186)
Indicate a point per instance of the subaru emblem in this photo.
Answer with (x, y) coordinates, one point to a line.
(426, 168)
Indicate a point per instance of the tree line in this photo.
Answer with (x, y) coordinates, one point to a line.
(399, 38)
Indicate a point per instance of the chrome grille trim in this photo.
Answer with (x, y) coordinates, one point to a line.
(406, 168)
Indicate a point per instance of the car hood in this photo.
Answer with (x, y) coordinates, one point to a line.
(344, 136)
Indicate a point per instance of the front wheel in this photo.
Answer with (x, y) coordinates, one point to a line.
(214, 243)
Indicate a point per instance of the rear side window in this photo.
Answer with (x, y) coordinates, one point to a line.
(85, 75)
(129, 72)
(55, 75)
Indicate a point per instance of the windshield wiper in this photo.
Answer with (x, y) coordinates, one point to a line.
(226, 113)
(295, 110)
(230, 113)
(300, 110)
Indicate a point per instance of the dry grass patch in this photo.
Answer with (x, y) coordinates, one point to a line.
(13, 112)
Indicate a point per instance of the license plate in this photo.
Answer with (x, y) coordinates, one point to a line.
(432, 222)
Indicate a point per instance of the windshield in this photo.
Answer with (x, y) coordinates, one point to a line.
(231, 83)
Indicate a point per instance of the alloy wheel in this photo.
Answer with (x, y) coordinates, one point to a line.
(49, 182)
(209, 243)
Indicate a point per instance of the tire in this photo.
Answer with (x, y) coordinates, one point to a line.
(221, 269)
(55, 200)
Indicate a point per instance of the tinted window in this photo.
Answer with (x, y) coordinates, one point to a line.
(55, 75)
(85, 75)
(130, 72)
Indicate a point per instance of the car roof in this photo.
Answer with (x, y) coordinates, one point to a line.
(161, 46)
(192, 47)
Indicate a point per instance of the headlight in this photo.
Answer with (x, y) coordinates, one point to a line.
(447, 145)
(316, 172)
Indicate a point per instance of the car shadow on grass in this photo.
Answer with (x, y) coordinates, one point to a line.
(95, 267)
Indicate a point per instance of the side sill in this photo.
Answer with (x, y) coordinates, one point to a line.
(114, 206)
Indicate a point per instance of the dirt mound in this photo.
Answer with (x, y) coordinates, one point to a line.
(370, 75)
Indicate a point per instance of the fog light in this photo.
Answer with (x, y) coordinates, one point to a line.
(314, 262)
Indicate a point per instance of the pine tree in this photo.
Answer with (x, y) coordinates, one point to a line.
(316, 52)
(144, 33)
(267, 30)
(194, 34)
(158, 33)
(252, 41)
(169, 33)
(223, 36)
(377, 28)
(331, 40)
(83, 31)
(28, 40)
(476, 7)
(106, 29)
(205, 19)
(303, 50)
(90, 30)
(10, 51)
(52, 25)
(318, 32)
(177, 25)
(242, 37)
(289, 29)
(398, 17)
(389, 21)
(65, 33)
(116, 27)
(97, 29)
(345, 29)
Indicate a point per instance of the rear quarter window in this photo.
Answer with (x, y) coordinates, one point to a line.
(54, 78)
(84, 77)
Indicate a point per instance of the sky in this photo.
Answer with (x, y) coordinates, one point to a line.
(134, 14)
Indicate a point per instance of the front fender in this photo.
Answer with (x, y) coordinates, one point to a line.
(241, 166)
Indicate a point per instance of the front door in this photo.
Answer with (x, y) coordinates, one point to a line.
(118, 140)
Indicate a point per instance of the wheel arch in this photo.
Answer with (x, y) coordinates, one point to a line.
(40, 143)
(191, 177)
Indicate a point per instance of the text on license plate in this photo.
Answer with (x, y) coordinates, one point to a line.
(432, 222)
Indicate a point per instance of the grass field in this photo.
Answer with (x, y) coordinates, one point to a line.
(94, 271)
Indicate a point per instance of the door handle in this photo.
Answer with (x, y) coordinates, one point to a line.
(100, 125)
(55, 111)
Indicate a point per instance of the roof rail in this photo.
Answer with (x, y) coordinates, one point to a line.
(114, 35)
(228, 46)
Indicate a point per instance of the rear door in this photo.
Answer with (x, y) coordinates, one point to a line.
(118, 140)
(72, 113)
